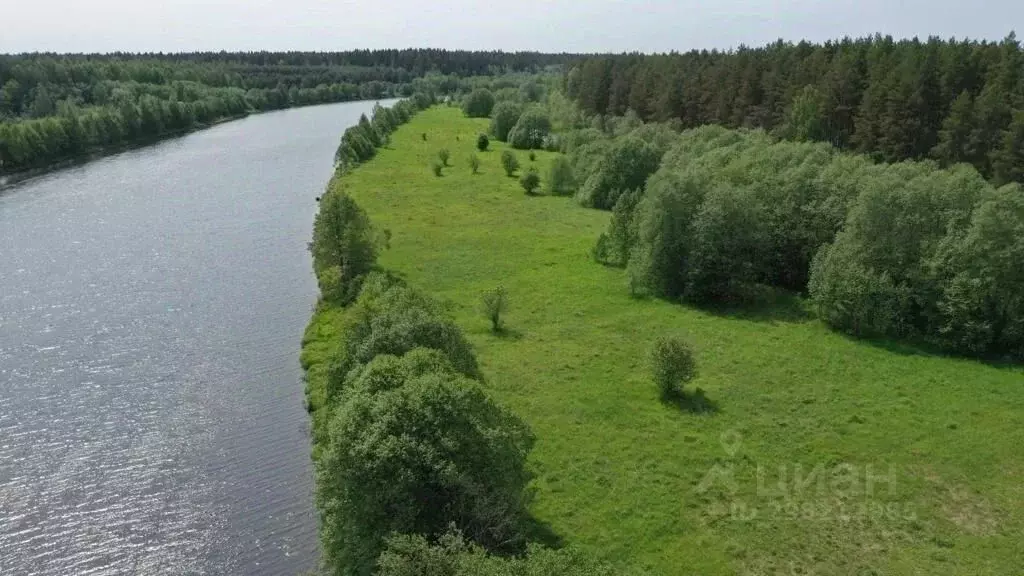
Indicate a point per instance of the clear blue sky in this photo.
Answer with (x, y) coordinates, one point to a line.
(545, 25)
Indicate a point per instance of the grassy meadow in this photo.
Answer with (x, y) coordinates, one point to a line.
(826, 455)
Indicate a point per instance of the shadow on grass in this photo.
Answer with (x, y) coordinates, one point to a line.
(506, 333)
(765, 304)
(695, 403)
(540, 532)
(923, 349)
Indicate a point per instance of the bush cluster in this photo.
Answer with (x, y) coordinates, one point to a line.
(360, 142)
(530, 130)
(478, 103)
(504, 118)
(902, 250)
(414, 445)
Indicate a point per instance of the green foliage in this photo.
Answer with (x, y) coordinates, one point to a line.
(389, 318)
(955, 139)
(482, 142)
(533, 156)
(453, 555)
(530, 181)
(509, 162)
(625, 166)
(444, 155)
(560, 181)
(621, 235)
(494, 305)
(474, 163)
(416, 458)
(479, 103)
(672, 365)
(344, 246)
(504, 118)
(877, 277)
(387, 372)
(952, 100)
(805, 120)
(981, 308)
(531, 91)
(437, 168)
(530, 130)
(1008, 159)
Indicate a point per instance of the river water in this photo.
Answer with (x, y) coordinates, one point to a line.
(152, 305)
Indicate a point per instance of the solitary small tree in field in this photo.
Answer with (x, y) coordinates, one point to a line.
(509, 162)
(530, 182)
(482, 142)
(493, 304)
(533, 156)
(474, 163)
(437, 168)
(443, 155)
(672, 365)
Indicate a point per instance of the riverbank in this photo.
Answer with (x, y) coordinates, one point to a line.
(12, 178)
(932, 441)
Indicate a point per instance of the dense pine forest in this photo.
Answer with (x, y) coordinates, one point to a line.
(949, 100)
(54, 107)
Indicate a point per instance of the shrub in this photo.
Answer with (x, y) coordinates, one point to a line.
(530, 181)
(621, 236)
(878, 276)
(431, 453)
(332, 288)
(389, 372)
(533, 156)
(672, 365)
(560, 178)
(474, 163)
(437, 167)
(552, 143)
(531, 91)
(625, 166)
(504, 118)
(981, 306)
(479, 103)
(482, 142)
(424, 136)
(452, 555)
(390, 318)
(493, 305)
(659, 263)
(530, 130)
(344, 246)
(728, 235)
(509, 162)
(443, 155)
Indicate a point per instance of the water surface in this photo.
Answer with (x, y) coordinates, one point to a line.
(151, 309)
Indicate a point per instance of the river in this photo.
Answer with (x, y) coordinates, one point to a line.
(152, 305)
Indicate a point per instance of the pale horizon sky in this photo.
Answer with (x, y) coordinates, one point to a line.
(541, 25)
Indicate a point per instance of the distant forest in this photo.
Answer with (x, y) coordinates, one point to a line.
(949, 100)
(57, 106)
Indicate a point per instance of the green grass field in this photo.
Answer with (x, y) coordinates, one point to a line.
(828, 455)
